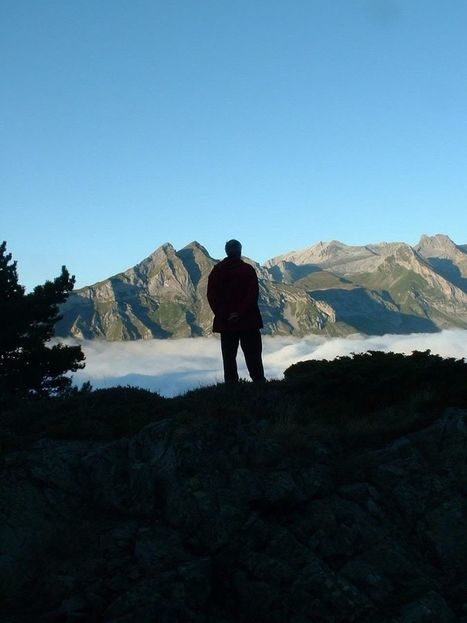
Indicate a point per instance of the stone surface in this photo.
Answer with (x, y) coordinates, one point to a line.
(189, 522)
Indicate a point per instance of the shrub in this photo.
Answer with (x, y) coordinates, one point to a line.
(374, 380)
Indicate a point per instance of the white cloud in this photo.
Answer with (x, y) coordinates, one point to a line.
(171, 367)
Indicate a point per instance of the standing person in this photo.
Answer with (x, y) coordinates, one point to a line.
(233, 296)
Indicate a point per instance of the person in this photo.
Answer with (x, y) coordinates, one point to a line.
(233, 297)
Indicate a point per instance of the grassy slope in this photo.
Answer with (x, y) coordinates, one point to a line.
(323, 280)
(365, 400)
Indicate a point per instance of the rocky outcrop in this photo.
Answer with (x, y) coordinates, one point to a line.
(329, 288)
(226, 520)
(445, 257)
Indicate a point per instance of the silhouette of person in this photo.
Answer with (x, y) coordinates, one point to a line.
(233, 296)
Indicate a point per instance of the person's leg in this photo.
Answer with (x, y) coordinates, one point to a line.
(252, 347)
(229, 347)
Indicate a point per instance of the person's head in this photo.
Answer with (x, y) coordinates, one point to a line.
(233, 248)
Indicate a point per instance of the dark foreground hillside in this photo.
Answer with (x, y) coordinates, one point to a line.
(336, 495)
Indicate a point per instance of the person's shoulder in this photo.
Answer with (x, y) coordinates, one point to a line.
(248, 268)
(218, 267)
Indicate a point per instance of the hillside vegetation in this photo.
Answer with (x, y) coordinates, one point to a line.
(373, 395)
(336, 495)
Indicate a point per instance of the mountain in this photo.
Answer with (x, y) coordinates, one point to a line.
(159, 297)
(329, 288)
(447, 258)
(165, 296)
(389, 286)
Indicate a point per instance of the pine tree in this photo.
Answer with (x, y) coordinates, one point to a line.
(29, 365)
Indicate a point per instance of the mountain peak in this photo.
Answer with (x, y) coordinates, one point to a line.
(196, 245)
(165, 249)
(156, 257)
(436, 238)
(167, 246)
(439, 245)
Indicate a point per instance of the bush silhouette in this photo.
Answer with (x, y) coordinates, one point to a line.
(374, 380)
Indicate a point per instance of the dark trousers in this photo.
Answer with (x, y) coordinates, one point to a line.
(250, 341)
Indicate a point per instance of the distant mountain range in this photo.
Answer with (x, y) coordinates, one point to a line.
(329, 288)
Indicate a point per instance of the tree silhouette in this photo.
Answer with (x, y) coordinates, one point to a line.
(29, 365)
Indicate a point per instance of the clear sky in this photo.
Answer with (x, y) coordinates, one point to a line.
(125, 124)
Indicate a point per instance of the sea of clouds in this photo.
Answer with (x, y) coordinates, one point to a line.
(172, 367)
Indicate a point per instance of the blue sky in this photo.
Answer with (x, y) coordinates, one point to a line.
(126, 124)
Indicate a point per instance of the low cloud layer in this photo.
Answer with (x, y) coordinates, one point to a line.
(171, 367)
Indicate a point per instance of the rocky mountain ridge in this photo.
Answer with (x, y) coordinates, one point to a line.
(329, 288)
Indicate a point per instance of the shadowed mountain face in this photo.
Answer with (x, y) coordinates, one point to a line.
(329, 288)
(445, 258)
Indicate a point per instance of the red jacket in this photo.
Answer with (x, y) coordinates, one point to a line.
(233, 288)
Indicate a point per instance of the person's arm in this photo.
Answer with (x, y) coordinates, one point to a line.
(213, 292)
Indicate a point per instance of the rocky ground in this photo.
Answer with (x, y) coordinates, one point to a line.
(225, 518)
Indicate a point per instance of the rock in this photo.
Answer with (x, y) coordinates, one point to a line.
(431, 608)
(180, 523)
(443, 528)
(368, 578)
